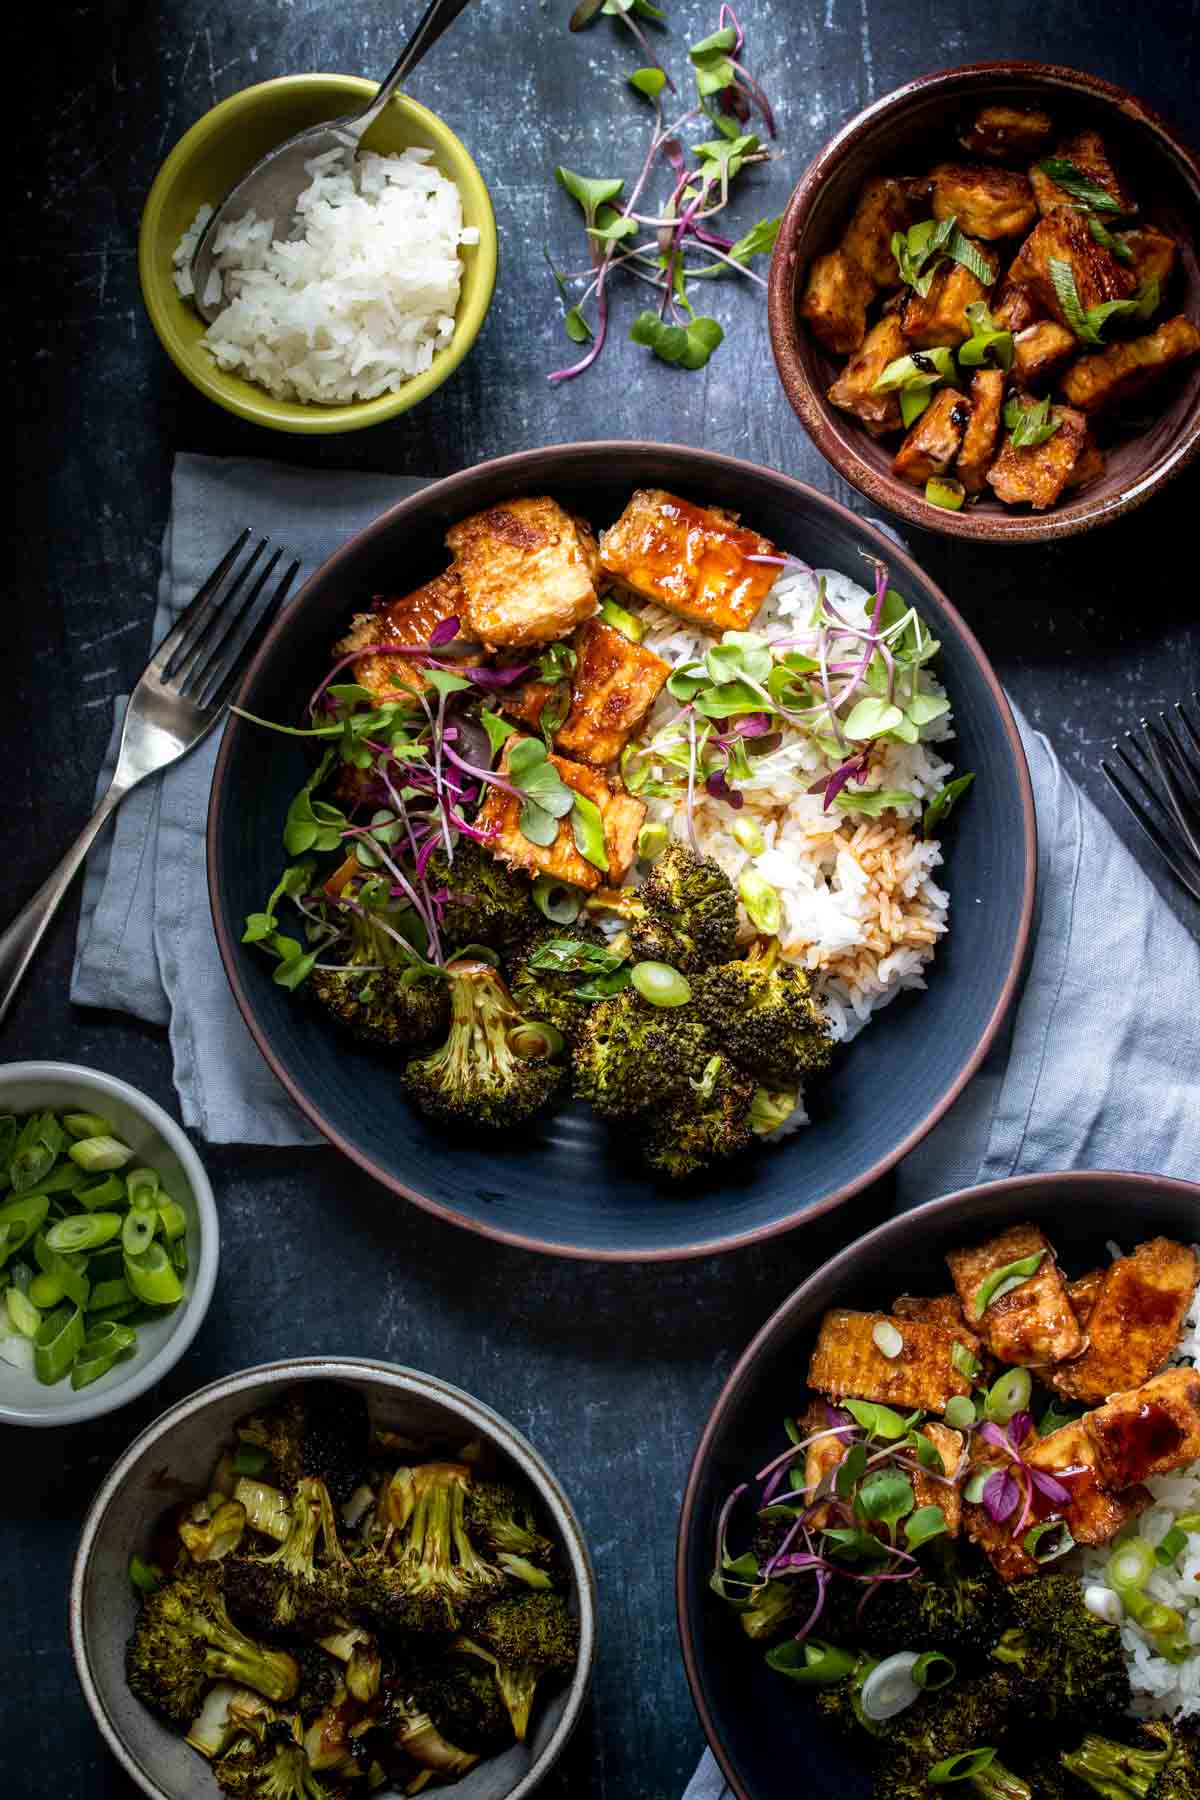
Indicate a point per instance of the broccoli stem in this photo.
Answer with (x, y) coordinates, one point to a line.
(998, 1783)
(1115, 1771)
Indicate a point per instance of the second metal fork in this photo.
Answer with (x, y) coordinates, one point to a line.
(1167, 769)
(184, 691)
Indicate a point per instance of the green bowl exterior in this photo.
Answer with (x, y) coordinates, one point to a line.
(217, 152)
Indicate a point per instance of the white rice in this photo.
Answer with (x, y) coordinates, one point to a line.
(356, 304)
(861, 909)
(1161, 1687)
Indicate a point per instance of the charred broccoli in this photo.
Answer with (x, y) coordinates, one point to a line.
(460, 1694)
(477, 1078)
(549, 993)
(413, 1731)
(524, 1640)
(707, 1123)
(1070, 1664)
(501, 1517)
(975, 1713)
(762, 1012)
(906, 1777)
(322, 1429)
(379, 995)
(962, 1611)
(631, 1055)
(433, 1572)
(273, 1768)
(320, 1678)
(1164, 1765)
(684, 913)
(184, 1639)
(482, 900)
(286, 1590)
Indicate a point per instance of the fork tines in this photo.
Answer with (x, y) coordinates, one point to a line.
(1166, 799)
(204, 649)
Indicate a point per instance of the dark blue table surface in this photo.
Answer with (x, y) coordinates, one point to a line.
(610, 1370)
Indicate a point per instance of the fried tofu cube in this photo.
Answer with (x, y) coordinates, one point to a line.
(934, 440)
(936, 1309)
(1149, 1431)
(1134, 1322)
(694, 560)
(1082, 1293)
(1008, 133)
(1037, 474)
(820, 1459)
(1093, 1514)
(613, 687)
(983, 429)
(1031, 1324)
(927, 1491)
(621, 814)
(835, 301)
(1089, 467)
(1014, 307)
(1154, 254)
(1111, 376)
(528, 571)
(884, 207)
(988, 203)
(854, 389)
(847, 1362)
(1063, 237)
(1089, 153)
(1040, 351)
(940, 316)
(405, 619)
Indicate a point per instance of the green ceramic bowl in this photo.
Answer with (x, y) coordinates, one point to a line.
(222, 147)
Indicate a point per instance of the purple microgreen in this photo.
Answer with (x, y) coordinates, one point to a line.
(1000, 1496)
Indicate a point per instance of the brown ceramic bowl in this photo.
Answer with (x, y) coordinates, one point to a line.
(908, 130)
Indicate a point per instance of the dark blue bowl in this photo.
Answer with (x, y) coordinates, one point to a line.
(569, 1185)
(767, 1734)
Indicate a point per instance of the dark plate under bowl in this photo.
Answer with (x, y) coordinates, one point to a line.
(761, 1728)
(568, 1185)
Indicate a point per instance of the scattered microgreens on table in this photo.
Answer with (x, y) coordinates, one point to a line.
(674, 245)
(87, 1253)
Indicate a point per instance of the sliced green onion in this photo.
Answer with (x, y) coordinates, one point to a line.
(913, 402)
(960, 1412)
(749, 835)
(172, 1219)
(1151, 1616)
(1103, 1603)
(138, 1229)
(95, 1155)
(556, 901)
(886, 1338)
(57, 1344)
(179, 1257)
(1188, 1521)
(941, 491)
(660, 984)
(101, 1351)
(86, 1125)
(813, 1663)
(22, 1312)
(988, 346)
(47, 1290)
(106, 1193)
(19, 1220)
(652, 841)
(69, 1275)
(535, 1041)
(1130, 1566)
(1009, 1277)
(627, 623)
(890, 1688)
(105, 1294)
(83, 1231)
(933, 1671)
(151, 1277)
(761, 901)
(142, 1187)
(1166, 1552)
(922, 369)
(770, 1108)
(961, 1766)
(146, 1577)
(1061, 1541)
(1008, 1396)
(967, 1365)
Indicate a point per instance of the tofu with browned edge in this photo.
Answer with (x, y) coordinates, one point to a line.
(1150, 1431)
(1093, 1513)
(983, 429)
(835, 301)
(885, 206)
(696, 561)
(988, 203)
(1134, 1323)
(1123, 370)
(1033, 1323)
(1014, 308)
(528, 571)
(405, 619)
(927, 1491)
(1036, 474)
(854, 390)
(848, 1364)
(621, 814)
(1008, 133)
(940, 316)
(1040, 351)
(1063, 237)
(1154, 254)
(1089, 153)
(1089, 466)
(934, 440)
(1083, 1291)
(614, 684)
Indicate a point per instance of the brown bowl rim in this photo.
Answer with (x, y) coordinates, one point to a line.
(886, 490)
(887, 548)
(1132, 1181)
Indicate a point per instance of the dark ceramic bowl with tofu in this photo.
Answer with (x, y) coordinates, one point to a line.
(965, 144)
(761, 1727)
(566, 1182)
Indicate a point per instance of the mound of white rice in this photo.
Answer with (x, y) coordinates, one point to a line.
(1162, 1687)
(360, 300)
(861, 909)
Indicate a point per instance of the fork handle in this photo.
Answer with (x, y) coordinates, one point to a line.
(21, 939)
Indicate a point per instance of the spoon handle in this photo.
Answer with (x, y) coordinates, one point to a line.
(438, 15)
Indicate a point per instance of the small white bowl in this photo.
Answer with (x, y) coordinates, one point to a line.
(162, 1145)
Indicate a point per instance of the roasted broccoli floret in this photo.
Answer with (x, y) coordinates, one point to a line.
(501, 1517)
(184, 1639)
(1069, 1664)
(1163, 1765)
(525, 1640)
(684, 913)
(631, 1055)
(762, 1012)
(380, 995)
(462, 1697)
(975, 1713)
(709, 1122)
(273, 1768)
(322, 1429)
(431, 1572)
(548, 993)
(962, 1611)
(477, 1078)
(286, 1590)
(480, 899)
(321, 1678)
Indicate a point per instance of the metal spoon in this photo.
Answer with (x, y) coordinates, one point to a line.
(276, 182)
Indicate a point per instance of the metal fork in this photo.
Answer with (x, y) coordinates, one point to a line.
(184, 691)
(1168, 769)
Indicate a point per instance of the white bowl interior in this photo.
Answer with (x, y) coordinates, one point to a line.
(58, 1088)
(174, 1458)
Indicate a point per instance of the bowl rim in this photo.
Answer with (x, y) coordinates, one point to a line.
(396, 1377)
(843, 1260)
(355, 414)
(195, 1305)
(497, 469)
(785, 332)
